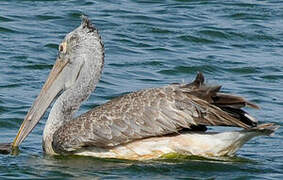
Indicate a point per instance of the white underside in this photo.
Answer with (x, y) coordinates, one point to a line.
(198, 144)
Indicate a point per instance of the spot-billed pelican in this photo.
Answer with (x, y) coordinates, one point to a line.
(141, 125)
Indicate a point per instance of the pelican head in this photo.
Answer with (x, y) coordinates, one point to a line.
(80, 55)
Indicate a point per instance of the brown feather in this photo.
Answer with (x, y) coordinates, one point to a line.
(153, 112)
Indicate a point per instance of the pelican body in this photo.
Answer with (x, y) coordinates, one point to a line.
(141, 125)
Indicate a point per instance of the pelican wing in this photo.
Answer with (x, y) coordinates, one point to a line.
(153, 112)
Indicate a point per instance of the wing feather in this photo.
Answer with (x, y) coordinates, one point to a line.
(151, 112)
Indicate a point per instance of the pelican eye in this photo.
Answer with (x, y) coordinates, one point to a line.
(62, 47)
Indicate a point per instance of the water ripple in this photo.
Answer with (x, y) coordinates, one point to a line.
(47, 17)
(6, 30)
(51, 45)
(5, 19)
(189, 70)
(34, 67)
(244, 70)
(196, 39)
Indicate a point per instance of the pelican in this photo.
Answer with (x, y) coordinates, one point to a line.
(141, 125)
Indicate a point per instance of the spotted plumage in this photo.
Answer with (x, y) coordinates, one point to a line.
(149, 113)
(141, 125)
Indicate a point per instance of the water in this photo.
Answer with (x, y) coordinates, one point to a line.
(148, 43)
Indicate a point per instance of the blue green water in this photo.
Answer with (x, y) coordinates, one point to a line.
(148, 43)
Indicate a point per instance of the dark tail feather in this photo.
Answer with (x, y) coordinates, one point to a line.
(213, 95)
(231, 104)
(228, 100)
(241, 115)
(199, 80)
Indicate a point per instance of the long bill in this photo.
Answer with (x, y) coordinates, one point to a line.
(52, 87)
